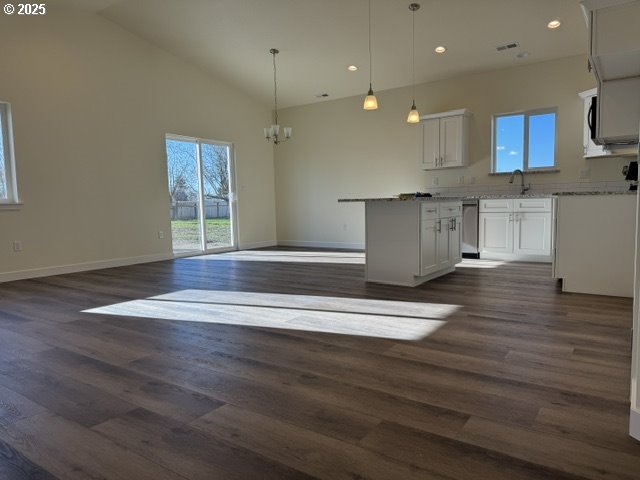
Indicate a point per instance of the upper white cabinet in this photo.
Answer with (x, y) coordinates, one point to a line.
(614, 53)
(445, 140)
(589, 147)
(614, 37)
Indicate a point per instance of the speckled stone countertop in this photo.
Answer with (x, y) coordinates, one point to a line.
(626, 192)
(396, 199)
(445, 198)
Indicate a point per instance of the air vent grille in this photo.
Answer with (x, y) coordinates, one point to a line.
(507, 46)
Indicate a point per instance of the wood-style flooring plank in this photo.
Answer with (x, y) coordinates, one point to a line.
(191, 452)
(303, 449)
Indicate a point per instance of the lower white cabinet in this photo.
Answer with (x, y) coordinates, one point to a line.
(496, 233)
(429, 261)
(532, 233)
(516, 229)
(440, 243)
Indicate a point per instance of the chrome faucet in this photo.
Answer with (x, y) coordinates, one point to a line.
(523, 189)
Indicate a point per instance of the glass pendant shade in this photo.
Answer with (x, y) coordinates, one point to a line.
(370, 102)
(414, 116)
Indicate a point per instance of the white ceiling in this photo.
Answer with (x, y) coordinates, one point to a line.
(317, 39)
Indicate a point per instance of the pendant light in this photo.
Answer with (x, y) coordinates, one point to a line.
(272, 133)
(370, 102)
(414, 116)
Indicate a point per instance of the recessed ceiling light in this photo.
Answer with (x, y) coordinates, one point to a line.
(352, 68)
(440, 49)
(522, 55)
(322, 95)
(554, 24)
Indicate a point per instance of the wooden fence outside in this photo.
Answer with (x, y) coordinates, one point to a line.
(188, 210)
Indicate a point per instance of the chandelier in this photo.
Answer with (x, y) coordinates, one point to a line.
(272, 133)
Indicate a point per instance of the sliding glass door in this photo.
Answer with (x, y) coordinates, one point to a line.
(201, 189)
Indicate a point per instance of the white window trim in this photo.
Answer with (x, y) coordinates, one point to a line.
(525, 159)
(12, 202)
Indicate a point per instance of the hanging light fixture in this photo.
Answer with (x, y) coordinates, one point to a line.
(370, 102)
(414, 116)
(272, 133)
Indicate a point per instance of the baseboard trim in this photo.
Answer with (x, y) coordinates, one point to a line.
(82, 267)
(298, 243)
(251, 246)
(634, 424)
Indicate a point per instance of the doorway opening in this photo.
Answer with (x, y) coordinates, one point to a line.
(202, 195)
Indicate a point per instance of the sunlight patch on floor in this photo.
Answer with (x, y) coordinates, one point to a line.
(287, 256)
(346, 316)
(473, 263)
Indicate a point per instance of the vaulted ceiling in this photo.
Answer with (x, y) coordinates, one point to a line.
(318, 39)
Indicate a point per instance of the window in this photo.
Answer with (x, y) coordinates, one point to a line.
(8, 192)
(524, 140)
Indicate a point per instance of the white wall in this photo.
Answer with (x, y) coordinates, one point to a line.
(91, 105)
(339, 150)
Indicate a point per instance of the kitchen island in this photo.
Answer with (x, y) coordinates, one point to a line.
(412, 241)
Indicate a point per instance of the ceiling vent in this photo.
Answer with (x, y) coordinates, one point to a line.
(507, 46)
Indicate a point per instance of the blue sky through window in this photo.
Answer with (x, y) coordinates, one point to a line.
(542, 137)
(510, 145)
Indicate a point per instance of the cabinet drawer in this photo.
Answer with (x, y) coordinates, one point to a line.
(496, 205)
(429, 210)
(450, 210)
(532, 205)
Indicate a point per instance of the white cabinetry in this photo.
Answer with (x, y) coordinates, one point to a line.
(589, 147)
(445, 251)
(429, 236)
(516, 229)
(411, 242)
(614, 38)
(445, 139)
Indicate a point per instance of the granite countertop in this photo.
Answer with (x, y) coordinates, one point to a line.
(625, 192)
(444, 198)
(396, 199)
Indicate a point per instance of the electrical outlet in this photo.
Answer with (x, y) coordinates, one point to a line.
(461, 180)
(160, 234)
(435, 181)
(17, 246)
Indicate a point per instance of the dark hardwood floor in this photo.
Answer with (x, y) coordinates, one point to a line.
(274, 365)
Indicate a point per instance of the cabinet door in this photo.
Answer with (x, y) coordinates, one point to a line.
(532, 233)
(451, 141)
(429, 247)
(431, 140)
(496, 232)
(444, 245)
(455, 240)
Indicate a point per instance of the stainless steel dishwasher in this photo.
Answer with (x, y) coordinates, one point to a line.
(470, 229)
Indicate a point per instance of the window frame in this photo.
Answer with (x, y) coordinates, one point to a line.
(12, 199)
(525, 154)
